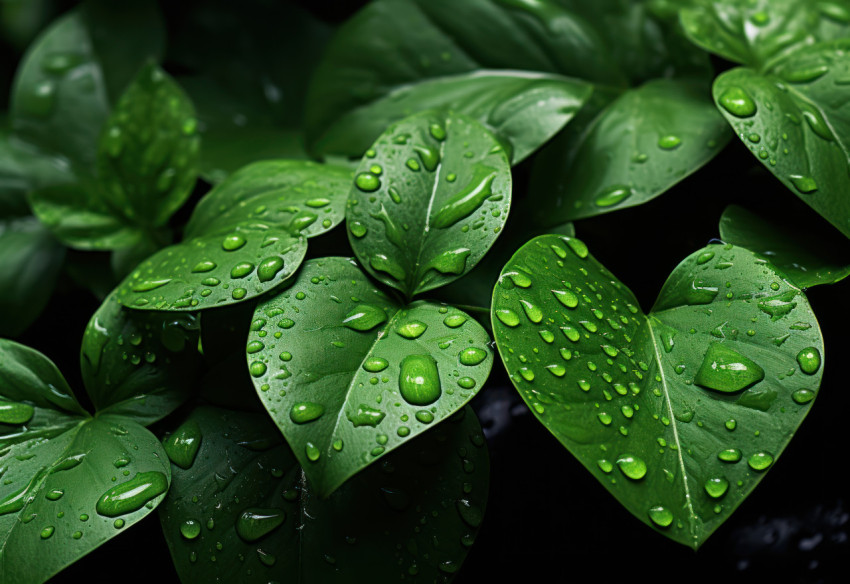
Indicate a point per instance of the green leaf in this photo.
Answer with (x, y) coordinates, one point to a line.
(523, 109)
(678, 412)
(429, 200)
(30, 261)
(60, 98)
(139, 364)
(248, 81)
(755, 32)
(355, 374)
(794, 120)
(245, 237)
(807, 252)
(626, 152)
(245, 512)
(149, 150)
(58, 466)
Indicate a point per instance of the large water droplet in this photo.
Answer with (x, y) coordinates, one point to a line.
(131, 495)
(367, 182)
(269, 268)
(737, 102)
(716, 487)
(255, 523)
(303, 412)
(467, 200)
(419, 380)
(760, 461)
(809, 360)
(364, 317)
(632, 466)
(660, 516)
(190, 529)
(472, 356)
(15, 412)
(724, 369)
(412, 329)
(365, 416)
(183, 444)
(613, 196)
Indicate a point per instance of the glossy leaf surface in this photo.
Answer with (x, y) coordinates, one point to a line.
(247, 236)
(794, 120)
(139, 364)
(678, 412)
(803, 248)
(353, 374)
(429, 199)
(70, 481)
(626, 152)
(149, 150)
(250, 515)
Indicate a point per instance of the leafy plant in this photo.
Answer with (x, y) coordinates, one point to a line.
(302, 400)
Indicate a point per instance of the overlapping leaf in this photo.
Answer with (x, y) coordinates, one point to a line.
(244, 511)
(679, 411)
(349, 374)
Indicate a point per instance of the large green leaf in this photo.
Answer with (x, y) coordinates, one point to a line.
(246, 236)
(139, 364)
(680, 411)
(803, 248)
(348, 374)
(244, 511)
(30, 261)
(755, 32)
(70, 481)
(794, 119)
(247, 80)
(149, 150)
(429, 200)
(627, 151)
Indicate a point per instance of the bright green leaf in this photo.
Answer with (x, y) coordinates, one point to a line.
(428, 201)
(149, 150)
(139, 364)
(804, 249)
(245, 237)
(354, 374)
(627, 151)
(678, 412)
(245, 511)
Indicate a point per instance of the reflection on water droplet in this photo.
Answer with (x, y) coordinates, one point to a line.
(737, 102)
(419, 380)
(725, 370)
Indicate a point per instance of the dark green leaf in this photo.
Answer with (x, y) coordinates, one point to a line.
(139, 364)
(429, 200)
(245, 237)
(354, 374)
(626, 151)
(692, 401)
(30, 261)
(149, 150)
(795, 121)
(58, 464)
(755, 32)
(804, 249)
(416, 515)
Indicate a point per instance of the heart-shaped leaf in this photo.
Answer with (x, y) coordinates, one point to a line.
(429, 200)
(247, 236)
(348, 374)
(139, 364)
(678, 412)
(627, 151)
(70, 481)
(806, 251)
(794, 120)
(149, 150)
(244, 511)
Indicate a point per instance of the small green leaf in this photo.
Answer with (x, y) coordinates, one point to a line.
(30, 261)
(793, 120)
(149, 150)
(245, 237)
(523, 109)
(245, 511)
(804, 249)
(428, 201)
(651, 136)
(353, 374)
(70, 482)
(139, 364)
(677, 412)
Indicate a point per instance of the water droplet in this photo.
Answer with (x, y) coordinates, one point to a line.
(312, 452)
(803, 396)
(425, 416)
(471, 514)
(257, 369)
(724, 369)
(183, 444)
(148, 285)
(15, 412)
(632, 466)
(729, 455)
(54, 494)
(472, 356)
(454, 320)
(507, 316)
(669, 142)
(47, 532)
(419, 380)
(303, 412)
(132, 495)
(579, 248)
(612, 196)
(412, 329)
(566, 297)
(190, 529)
(241, 270)
(804, 184)
(778, 306)
(429, 156)
(438, 132)
(466, 382)
(716, 487)
(233, 242)
(532, 311)
(737, 102)
(450, 262)
(202, 267)
(254, 523)
(364, 317)
(269, 268)
(760, 461)
(357, 229)
(375, 364)
(367, 182)
(382, 263)
(660, 516)
(365, 416)
(809, 360)
(465, 202)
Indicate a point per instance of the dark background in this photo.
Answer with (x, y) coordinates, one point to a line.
(547, 518)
